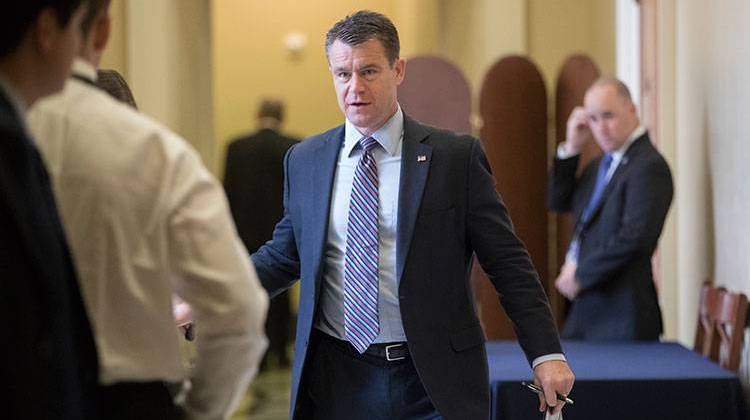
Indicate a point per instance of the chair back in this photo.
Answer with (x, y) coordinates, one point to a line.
(730, 326)
(706, 335)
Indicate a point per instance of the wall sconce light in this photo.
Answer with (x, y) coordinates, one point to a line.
(295, 43)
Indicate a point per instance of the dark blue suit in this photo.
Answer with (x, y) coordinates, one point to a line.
(617, 300)
(48, 360)
(448, 211)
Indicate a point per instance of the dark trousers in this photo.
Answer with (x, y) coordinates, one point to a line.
(278, 329)
(340, 383)
(138, 400)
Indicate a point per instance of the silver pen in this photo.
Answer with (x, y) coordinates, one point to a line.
(538, 390)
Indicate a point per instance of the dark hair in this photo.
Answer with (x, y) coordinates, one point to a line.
(271, 108)
(95, 6)
(363, 26)
(18, 16)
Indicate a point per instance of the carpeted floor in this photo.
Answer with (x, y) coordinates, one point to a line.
(267, 398)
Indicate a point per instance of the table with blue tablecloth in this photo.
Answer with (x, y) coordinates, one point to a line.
(640, 380)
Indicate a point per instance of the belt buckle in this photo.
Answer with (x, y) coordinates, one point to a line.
(388, 353)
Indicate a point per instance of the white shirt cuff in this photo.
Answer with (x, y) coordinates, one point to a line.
(563, 153)
(546, 358)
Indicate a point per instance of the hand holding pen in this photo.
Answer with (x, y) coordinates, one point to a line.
(538, 390)
(553, 380)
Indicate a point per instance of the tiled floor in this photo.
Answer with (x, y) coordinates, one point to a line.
(267, 398)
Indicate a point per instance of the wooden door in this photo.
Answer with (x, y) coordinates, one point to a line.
(513, 108)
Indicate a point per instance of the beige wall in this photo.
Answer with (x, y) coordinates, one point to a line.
(162, 48)
(558, 29)
(169, 66)
(728, 133)
(671, 296)
(705, 92)
(115, 55)
(419, 26)
(476, 33)
(711, 94)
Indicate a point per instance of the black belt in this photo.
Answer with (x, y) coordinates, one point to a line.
(391, 352)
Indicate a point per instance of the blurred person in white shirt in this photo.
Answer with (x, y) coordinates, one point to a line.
(145, 219)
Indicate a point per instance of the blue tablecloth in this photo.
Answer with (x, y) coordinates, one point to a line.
(639, 381)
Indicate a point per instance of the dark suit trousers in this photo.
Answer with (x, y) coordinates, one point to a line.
(340, 383)
(277, 330)
(138, 400)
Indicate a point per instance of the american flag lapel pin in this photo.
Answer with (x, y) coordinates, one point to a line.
(421, 158)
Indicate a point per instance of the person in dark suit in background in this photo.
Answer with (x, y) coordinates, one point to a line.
(620, 202)
(382, 218)
(254, 184)
(48, 361)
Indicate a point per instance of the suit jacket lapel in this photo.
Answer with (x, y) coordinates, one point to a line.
(622, 167)
(23, 189)
(11, 175)
(415, 165)
(325, 160)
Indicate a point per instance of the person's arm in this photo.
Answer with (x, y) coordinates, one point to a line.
(648, 194)
(562, 184)
(508, 266)
(231, 181)
(215, 277)
(277, 262)
(507, 263)
(562, 179)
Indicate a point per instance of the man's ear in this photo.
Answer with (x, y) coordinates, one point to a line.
(400, 68)
(102, 29)
(44, 31)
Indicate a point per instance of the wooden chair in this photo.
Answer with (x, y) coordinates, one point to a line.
(730, 325)
(706, 334)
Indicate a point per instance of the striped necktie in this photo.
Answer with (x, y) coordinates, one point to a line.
(361, 259)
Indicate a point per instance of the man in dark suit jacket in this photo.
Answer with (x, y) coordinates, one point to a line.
(48, 360)
(620, 203)
(382, 218)
(254, 183)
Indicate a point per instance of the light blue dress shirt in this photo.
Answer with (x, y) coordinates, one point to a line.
(330, 318)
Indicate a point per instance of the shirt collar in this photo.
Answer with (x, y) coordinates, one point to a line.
(619, 153)
(16, 100)
(83, 68)
(388, 136)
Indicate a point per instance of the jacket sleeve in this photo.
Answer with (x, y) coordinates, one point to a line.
(562, 184)
(507, 263)
(648, 194)
(277, 262)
